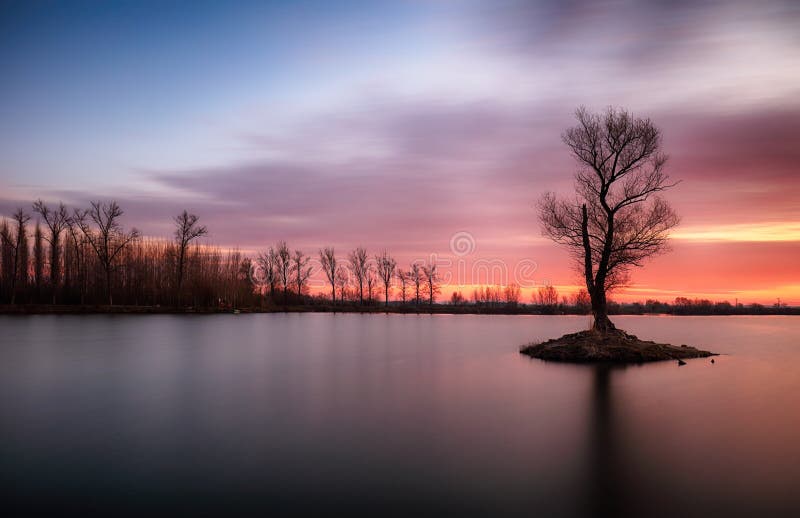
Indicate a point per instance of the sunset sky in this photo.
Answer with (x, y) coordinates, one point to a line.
(402, 124)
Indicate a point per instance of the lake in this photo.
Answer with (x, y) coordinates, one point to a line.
(393, 414)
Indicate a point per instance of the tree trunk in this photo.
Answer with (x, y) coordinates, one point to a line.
(602, 323)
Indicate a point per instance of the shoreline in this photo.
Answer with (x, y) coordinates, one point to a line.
(443, 309)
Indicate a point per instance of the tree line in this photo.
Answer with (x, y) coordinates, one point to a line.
(85, 256)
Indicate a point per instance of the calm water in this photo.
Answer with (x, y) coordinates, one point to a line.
(298, 413)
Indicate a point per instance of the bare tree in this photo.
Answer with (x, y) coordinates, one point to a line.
(300, 270)
(186, 230)
(386, 267)
(431, 281)
(284, 263)
(16, 244)
(38, 258)
(109, 239)
(416, 277)
(358, 266)
(547, 296)
(617, 220)
(268, 261)
(403, 277)
(371, 279)
(342, 281)
(327, 257)
(56, 221)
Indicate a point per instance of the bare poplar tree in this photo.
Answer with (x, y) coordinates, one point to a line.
(284, 263)
(186, 230)
(403, 277)
(386, 268)
(268, 261)
(616, 220)
(431, 281)
(38, 258)
(300, 270)
(371, 278)
(342, 281)
(358, 266)
(56, 221)
(416, 276)
(109, 239)
(16, 244)
(327, 257)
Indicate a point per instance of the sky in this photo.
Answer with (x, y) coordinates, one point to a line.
(425, 127)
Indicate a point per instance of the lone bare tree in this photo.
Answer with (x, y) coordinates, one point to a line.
(358, 267)
(616, 220)
(109, 239)
(386, 267)
(56, 221)
(327, 257)
(186, 230)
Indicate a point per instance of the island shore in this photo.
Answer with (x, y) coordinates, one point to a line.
(614, 347)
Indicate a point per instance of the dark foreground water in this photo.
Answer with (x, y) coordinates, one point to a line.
(394, 414)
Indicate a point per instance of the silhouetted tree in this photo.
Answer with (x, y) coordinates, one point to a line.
(56, 221)
(403, 277)
(38, 258)
(416, 276)
(386, 267)
(109, 239)
(358, 267)
(547, 296)
(300, 271)
(284, 263)
(15, 243)
(431, 281)
(327, 257)
(371, 279)
(616, 220)
(342, 281)
(186, 230)
(268, 262)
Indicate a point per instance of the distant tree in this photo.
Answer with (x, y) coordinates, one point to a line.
(15, 243)
(358, 267)
(431, 277)
(416, 276)
(371, 279)
(582, 301)
(300, 271)
(617, 220)
(403, 277)
(56, 221)
(327, 256)
(547, 296)
(512, 294)
(268, 262)
(386, 268)
(109, 239)
(457, 299)
(38, 258)
(284, 264)
(186, 230)
(342, 281)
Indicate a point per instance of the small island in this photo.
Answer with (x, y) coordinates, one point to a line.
(616, 220)
(613, 347)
